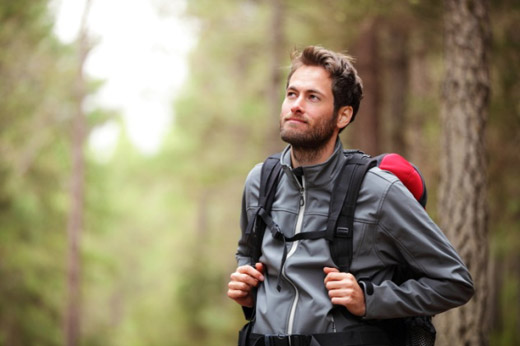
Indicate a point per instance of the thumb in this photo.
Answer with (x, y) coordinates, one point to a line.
(260, 267)
(328, 270)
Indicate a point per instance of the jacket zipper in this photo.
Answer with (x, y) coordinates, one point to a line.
(299, 225)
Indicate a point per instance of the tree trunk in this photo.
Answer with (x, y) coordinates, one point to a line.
(420, 89)
(398, 90)
(366, 134)
(462, 204)
(77, 193)
(276, 45)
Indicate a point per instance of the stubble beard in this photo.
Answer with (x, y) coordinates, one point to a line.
(308, 145)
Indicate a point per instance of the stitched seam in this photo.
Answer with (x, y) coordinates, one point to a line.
(387, 232)
(366, 221)
(317, 214)
(401, 246)
(285, 210)
(382, 201)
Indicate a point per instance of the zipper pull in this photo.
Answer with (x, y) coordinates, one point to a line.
(302, 192)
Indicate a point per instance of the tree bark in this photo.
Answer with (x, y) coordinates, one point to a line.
(77, 193)
(462, 204)
(419, 91)
(398, 90)
(366, 135)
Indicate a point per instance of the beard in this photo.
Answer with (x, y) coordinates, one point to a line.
(312, 140)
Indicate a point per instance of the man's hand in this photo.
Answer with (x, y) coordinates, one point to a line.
(243, 280)
(344, 290)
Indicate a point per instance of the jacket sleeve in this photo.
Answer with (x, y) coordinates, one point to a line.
(443, 280)
(249, 195)
(249, 201)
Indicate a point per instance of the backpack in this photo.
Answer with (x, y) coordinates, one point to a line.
(409, 331)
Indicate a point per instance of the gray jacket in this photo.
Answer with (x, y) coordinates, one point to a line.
(390, 228)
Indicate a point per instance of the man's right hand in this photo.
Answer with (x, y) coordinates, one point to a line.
(243, 280)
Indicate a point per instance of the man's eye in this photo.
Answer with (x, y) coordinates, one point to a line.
(291, 94)
(314, 98)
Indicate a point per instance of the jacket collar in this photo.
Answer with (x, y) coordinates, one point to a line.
(316, 175)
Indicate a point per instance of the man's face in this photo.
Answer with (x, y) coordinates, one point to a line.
(307, 117)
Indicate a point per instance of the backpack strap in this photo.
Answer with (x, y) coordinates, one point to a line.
(340, 224)
(255, 230)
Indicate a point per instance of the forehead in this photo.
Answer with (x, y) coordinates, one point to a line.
(311, 78)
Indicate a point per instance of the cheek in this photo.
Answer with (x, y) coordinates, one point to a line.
(285, 109)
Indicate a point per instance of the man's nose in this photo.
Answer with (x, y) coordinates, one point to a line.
(297, 106)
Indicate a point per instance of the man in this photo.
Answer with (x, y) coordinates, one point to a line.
(300, 291)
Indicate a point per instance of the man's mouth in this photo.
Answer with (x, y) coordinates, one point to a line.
(292, 119)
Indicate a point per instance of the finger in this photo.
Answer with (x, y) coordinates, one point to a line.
(347, 278)
(355, 305)
(260, 267)
(251, 271)
(237, 294)
(245, 278)
(340, 293)
(350, 277)
(236, 285)
(334, 276)
(345, 301)
(338, 284)
(328, 270)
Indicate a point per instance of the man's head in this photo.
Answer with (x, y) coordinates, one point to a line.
(322, 96)
(347, 87)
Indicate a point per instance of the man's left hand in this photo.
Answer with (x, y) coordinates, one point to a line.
(344, 290)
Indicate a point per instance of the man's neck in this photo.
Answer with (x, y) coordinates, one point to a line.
(314, 156)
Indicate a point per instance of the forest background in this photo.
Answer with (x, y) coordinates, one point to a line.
(156, 234)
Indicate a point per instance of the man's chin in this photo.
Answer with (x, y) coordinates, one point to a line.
(289, 136)
(302, 140)
(294, 139)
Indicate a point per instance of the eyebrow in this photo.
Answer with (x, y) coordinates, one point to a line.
(309, 91)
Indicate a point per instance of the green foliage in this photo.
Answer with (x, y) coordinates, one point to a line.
(160, 231)
(32, 212)
(35, 113)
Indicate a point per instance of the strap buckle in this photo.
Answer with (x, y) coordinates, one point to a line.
(276, 340)
(277, 233)
(287, 340)
(343, 232)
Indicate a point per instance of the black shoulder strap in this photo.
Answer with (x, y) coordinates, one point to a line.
(341, 211)
(256, 227)
(340, 225)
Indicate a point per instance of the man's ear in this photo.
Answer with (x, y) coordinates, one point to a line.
(344, 116)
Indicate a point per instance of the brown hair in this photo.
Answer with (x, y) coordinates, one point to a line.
(347, 87)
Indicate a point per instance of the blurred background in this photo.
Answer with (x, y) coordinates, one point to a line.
(127, 129)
